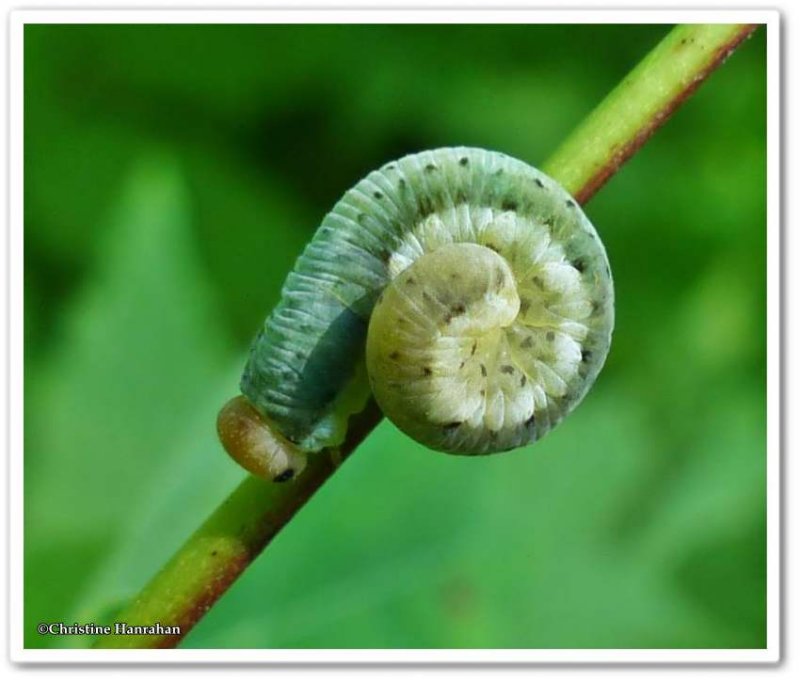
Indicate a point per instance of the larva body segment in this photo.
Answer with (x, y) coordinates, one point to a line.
(543, 333)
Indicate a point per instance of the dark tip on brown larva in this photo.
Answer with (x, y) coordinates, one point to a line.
(255, 444)
(284, 476)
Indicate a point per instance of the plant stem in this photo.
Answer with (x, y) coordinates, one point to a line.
(220, 550)
(640, 104)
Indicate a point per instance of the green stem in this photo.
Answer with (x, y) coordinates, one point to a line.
(220, 550)
(640, 104)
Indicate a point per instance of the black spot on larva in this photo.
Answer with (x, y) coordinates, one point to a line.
(459, 309)
(361, 218)
(461, 197)
(463, 362)
(463, 161)
(427, 297)
(491, 246)
(539, 182)
(527, 342)
(595, 306)
(492, 434)
(452, 425)
(608, 270)
(430, 167)
(507, 369)
(411, 281)
(474, 348)
(394, 355)
(483, 391)
(384, 255)
(530, 420)
(285, 475)
(424, 206)
(214, 553)
(447, 318)
(427, 371)
(501, 279)
(483, 370)
(391, 166)
(499, 171)
(579, 264)
(453, 275)
(380, 298)
(570, 203)
(538, 282)
(509, 205)
(550, 221)
(551, 336)
(523, 380)
(524, 305)
(378, 195)
(585, 355)
(401, 183)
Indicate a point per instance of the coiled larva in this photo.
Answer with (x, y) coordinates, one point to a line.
(464, 288)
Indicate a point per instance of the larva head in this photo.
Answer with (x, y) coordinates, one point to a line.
(249, 439)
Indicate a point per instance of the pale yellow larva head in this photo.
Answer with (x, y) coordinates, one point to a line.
(255, 444)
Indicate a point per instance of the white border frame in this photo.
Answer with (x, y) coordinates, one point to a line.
(17, 652)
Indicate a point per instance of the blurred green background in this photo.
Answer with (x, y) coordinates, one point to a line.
(173, 174)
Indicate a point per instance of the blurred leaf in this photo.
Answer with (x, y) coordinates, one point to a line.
(140, 343)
